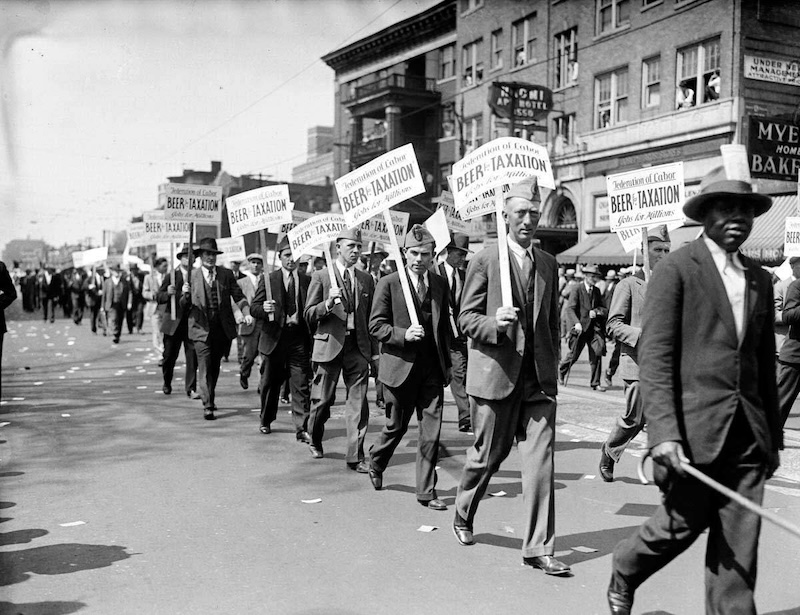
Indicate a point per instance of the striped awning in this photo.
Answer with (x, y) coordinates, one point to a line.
(765, 243)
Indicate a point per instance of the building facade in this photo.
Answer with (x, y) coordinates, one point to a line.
(317, 170)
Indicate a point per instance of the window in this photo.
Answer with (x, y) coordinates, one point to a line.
(497, 49)
(448, 121)
(698, 78)
(566, 54)
(444, 171)
(612, 14)
(648, 3)
(447, 62)
(522, 41)
(473, 133)
(611, 98)
(470, 5)
(471, 64)
(651, 82)
(564, 129)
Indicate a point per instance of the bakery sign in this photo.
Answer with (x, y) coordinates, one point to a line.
(775, 70)
(773, 148)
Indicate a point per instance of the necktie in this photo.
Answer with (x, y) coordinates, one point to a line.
(734, 282)
(348, 294)
(527, 272)
(454, 291)
(214, 302)
(291, 299)
(421, 289)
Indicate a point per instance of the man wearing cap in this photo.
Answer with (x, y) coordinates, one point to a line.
(511, 377)
(250, 335)
(115, 299)
(452, 270)
(586, 320)
(285, 341)
(707, 372)
(339, 315)
(414, 363)
(211, 324)
(625, 327)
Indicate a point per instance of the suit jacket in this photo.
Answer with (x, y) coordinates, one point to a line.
(115, 295)
(195, 303)
(168, 325)
(781, 329)
(389, 320)
(330, 328)
(625, 322)
(790, 317)
(53, 289)
(694, 372)
(271, 330)
(7, 295)
(454, 308)
(93, 289)
(151, 286)
(579, 304)
(494, 360)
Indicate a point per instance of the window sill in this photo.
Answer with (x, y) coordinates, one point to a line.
(563, 88)
(496, 69)
(471, 11)
(464, 88)
(650, 6)
(446, 80)
(613, 32)
(522, 67)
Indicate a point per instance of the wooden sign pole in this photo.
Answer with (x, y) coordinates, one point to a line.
(262, 236)
(412, 310)
(646, 255)
(172, 306)
(191, 255)
(505, 266)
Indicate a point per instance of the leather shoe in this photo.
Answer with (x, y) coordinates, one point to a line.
(265, 429)
(600, 388)
(304, 436)
(620, 597)
(465, 428)
(362, 467)
(562, 382)
(463, 531)
(547, 563)
(193, 394)
(167, 388)
(434, 504)
(208, 414)
(606, 466)
(316, 453)
(376, 478)
(243, 382)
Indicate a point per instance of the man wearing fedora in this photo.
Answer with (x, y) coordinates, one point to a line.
(414, 363)
(116, 292)
(625, 327)
(249, 335)
(586, 321)
(339, 317)
(452, 270)
(211, 323)
(707, 373)
(511, 377)
(285, 342)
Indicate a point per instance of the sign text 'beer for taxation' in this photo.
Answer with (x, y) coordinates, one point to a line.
(258, 209)
(646, 197)
(158, 229)
(137, 236)
(193, 203)
(454, 221)
(791, 239)
(375, 229)
(321, 229)
(373, 188)
(507, 160)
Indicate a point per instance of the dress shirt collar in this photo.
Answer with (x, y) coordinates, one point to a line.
(415, 278)
(720, 256)
(208, 274)
(287, 274)
(342, 269)
(518, 250)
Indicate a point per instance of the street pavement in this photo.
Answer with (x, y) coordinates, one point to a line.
(117, 499)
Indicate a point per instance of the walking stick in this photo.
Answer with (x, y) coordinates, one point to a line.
(728, 493)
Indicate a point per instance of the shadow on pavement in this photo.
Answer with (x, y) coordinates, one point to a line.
(794, 611)
(15, 566)
(41, 608)
(637, 510)
(20, 537)
(7, 504)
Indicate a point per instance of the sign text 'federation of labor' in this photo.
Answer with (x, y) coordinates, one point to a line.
(646, 197)
(389, 179)
(258, 209)
(193, 203)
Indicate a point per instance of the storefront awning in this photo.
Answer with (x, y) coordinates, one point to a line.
(765, 243)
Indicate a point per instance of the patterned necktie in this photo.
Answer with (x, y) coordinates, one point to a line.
(421, 289)
(348, 291)
(214, 297)
(291, 299)
(527, 274)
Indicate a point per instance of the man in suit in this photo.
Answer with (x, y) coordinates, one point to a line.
(176, 330)
(93, 297)
(285, 342)
(373, 261)
(115, 299)
(7, 295)
(50, 291)
(339, 317)
(707, 372)
(511, 377)
(211, 324)
(414, 364)
(452, 270)
(76, 295)
(625, 327)
(250, 335)
(779, 290)
(135, 314)
(586, 320)
(150, 288)
(789, 355)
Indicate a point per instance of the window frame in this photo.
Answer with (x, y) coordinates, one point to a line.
(473, 132)
(566, 54)
(617, 22)
(570, 120)
(475, 64)
(451, 63)
(529, 40)
(615, 97)
(496, 50)
(472, 5)
(702, 70)
(648, 82)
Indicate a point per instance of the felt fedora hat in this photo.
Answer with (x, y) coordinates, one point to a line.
(208, 244)
(716, 184)
(459, 241)
(590, 270)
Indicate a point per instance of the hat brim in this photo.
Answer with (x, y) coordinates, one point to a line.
(198, 250)
(694, 207)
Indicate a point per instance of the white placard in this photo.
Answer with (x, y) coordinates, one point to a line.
(507, 160)
(375, 229)
(232, 249)
(158, 229)
(646, 197)
(630, 238)
(483, 205)
(373, 188)
(297, 217)
(735, 162)
(165, 249)
(89, 257)
(193, 203)
(437, 226)
(258, 209)
(791, 237)
(454, 221)
(321, 229)
(137, 236)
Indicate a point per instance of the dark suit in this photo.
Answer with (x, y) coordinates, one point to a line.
(76, 296)
(7, 295)
(211, 327)
(593, 333)
(93, 297)
(134, 317)
(714, 392)
(414, 373)
(115, 300)
(50, 294)
(458, 347)
(339, 351)
(284, 349)
(176, 332)
(511, 378)
(789, 355)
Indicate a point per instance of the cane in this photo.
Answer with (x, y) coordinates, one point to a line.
(728, 493)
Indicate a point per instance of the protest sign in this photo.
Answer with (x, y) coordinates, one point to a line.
(137, 237)
(320, 229)
(258, 209)
(395, 253)
(160, 230)
(507, 160)
(375, 229)
(791, 237)
(297, 218)
(376, 186)
(193, 203)
(646, 197)
(483, 205)
(232, 249)
(454, 221)
(437, 226)
(90, 257)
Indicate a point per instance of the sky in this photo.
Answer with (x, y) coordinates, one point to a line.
(101, 100)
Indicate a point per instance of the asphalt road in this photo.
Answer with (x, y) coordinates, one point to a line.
(116, 499)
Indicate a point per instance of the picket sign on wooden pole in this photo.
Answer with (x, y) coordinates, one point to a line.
(502, 248)
(646, 255)
(412, 309)
(191, 255)
(330, 262)
(262, 236)
(172, 307)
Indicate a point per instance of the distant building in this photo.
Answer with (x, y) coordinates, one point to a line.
(317, 170)
(29, 253)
